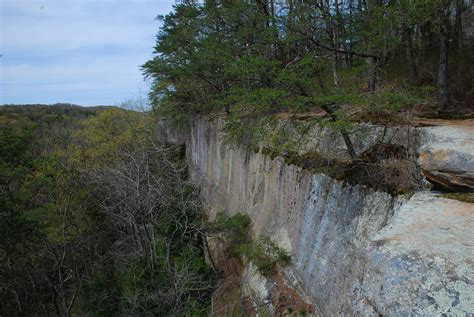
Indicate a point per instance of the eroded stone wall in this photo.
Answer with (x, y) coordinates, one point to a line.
(352, 248)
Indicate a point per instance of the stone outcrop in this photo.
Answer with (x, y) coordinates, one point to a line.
(447, 156)
(422, 260)
(355, 251)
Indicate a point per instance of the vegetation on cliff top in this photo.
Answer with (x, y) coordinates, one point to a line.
(253, 60)
(331, 63)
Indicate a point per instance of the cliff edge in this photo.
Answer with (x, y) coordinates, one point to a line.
(355, 250)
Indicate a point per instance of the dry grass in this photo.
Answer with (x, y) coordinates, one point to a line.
(464, 197)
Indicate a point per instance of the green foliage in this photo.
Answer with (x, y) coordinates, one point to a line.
(101, 295)
(251, 61)
(249, 131)
(65, 177)
(131, 289)
(142, 182)
(102, 139)
(38, 196)
(384, 167)
(235, 228)
(302, 312)
(264, 253)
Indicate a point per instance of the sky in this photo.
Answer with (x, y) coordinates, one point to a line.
(85, 52)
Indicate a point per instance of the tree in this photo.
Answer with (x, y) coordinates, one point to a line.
(251, 61)
(443, 94)
(156, 259)
(101, 221)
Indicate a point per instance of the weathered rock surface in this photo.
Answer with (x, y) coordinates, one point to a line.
(447, 156)
(423, 257)
(329, 142)
(354, 251)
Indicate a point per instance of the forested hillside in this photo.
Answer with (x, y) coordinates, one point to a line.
(96, 216)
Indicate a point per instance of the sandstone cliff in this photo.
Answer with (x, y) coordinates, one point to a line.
(355, 250)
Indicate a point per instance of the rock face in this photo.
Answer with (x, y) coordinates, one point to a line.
(354, 251)
(447, 157)
(426, 255)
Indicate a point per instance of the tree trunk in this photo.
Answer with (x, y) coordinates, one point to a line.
(443, 93)
(458, 25)
(334, 70)
(335, 37)
(345, 135)
(349, 48)
(349, 145)
(414, 68)
(372, 83)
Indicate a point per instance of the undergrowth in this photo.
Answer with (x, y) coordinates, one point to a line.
(263, 252)
(385, 167)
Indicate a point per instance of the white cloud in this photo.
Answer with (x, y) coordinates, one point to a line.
(106, 69)
(71, 24)
(65, 46)
(109, 79)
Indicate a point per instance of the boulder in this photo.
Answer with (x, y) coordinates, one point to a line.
(449, 169)
(447, 156)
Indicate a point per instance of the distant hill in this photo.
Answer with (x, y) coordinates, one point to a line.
(62, 108)
(39, 112)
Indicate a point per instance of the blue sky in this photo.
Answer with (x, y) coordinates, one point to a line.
(85, 52)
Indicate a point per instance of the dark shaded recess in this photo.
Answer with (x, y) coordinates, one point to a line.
(384, 167)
